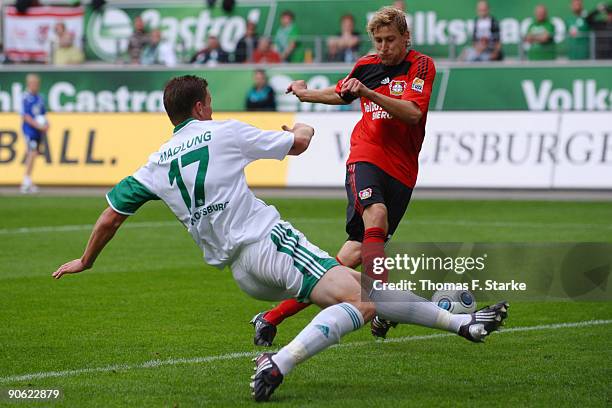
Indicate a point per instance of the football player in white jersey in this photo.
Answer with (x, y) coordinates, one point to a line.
(199, 174)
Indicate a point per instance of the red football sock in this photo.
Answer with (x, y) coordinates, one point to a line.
(283, 310)
(373, 246)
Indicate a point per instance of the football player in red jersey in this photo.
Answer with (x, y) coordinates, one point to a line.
(394, 87)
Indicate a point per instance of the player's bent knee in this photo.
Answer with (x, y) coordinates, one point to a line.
(336, 286)
(351, 258)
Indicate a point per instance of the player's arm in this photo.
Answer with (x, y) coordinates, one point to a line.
(108, 223)
(256, 144)
(406, 111)
(27, 115)
(414, 101)
(302, 134)
(328, 96)
(124, 199)
(27, 118)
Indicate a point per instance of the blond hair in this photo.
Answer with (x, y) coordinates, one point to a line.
(388, 16)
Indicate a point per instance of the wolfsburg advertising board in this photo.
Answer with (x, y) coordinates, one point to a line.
(479, 150)
(461, 149)
(187, 25)
(539, 87)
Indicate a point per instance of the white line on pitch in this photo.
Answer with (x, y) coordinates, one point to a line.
(83, 227)
(245, 354)
(163, 224)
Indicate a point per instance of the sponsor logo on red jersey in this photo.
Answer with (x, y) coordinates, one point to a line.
(396, 88)
(417, 85)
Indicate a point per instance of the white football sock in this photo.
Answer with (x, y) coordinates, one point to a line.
(406, 307)
(27, 181)
(325, 329)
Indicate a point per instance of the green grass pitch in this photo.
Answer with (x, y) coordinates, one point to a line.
(152, 325)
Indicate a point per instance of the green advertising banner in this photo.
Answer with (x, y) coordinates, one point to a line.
(436, 26)
(529, 87)
(131, 89)
(533, 88)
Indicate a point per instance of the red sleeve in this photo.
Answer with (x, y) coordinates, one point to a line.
(340, 82)
(355, 73)
(420, 82)
(347, 98)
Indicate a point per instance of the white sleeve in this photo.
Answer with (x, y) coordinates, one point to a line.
(256, 144)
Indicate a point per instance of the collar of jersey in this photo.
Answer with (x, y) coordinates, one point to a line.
(182, 124)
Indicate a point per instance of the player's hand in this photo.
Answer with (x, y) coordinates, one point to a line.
(295, 127)
(74, 266)
(44, 128)
(353, 87)
(296, 86)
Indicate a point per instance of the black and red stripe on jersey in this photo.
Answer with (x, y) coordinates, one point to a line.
(379, 138)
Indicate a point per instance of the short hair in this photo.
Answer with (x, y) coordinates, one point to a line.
(388, 16)
(31, 76)
(181, 94)
(347, 16)
(288, 13)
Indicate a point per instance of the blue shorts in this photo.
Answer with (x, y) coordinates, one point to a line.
(33, 140)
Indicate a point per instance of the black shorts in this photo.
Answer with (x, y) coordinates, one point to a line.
(367, 184)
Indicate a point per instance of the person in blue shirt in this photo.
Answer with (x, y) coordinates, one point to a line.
(35, 127)
(261, 96)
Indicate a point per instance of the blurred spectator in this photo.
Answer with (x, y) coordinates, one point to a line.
(226, 5)
(35, 127)
(333, 52)
(287, 38)
(3, 59)
(213, 54)
(603, 30)
(265, 54)
(541, 36)
(577, 32)
(261, 96)
(344, 47)
(137, 41)
(64, 52)
(486, 44)
(157, 51)
(248, 44)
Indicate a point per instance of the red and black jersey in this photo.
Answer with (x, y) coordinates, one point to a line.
(380, 139)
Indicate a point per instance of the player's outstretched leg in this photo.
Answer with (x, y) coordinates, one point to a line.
(406, 307)
(338, 288)
(265, 322)
(485, 321)
(379, 327)
(264, 330)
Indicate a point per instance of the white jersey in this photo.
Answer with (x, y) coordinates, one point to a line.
(199, 174)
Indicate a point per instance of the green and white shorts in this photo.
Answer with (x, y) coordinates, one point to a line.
(283, 265)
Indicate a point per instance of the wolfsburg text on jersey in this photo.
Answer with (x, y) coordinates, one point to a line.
(209, 209)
